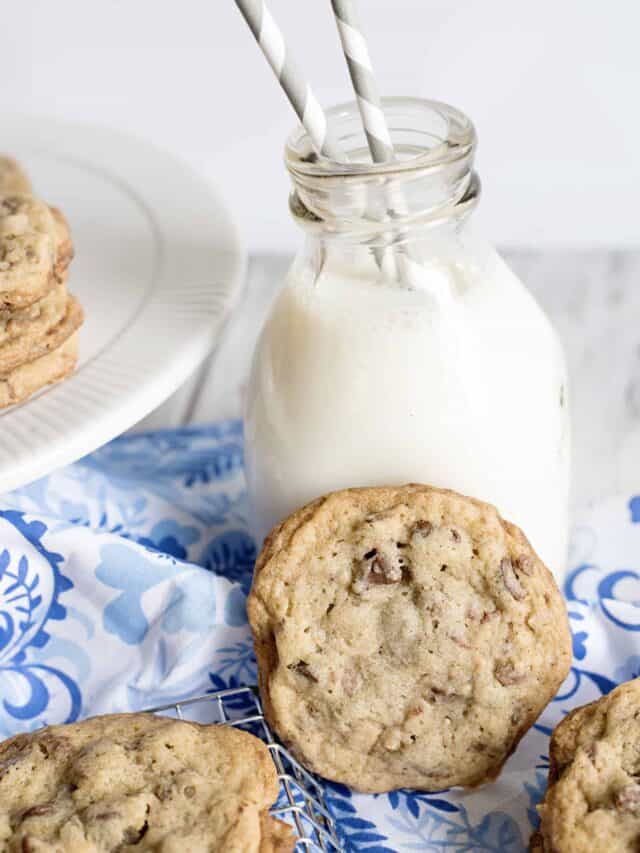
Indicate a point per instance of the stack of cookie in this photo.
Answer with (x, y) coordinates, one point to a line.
(39, 318)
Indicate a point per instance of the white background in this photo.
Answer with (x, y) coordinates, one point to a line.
(552, 85)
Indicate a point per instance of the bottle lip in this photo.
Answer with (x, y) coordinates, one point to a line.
(427, 135)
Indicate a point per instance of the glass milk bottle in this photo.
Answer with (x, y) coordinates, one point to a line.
(401, 348)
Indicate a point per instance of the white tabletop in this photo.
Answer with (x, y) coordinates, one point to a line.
(593, 298)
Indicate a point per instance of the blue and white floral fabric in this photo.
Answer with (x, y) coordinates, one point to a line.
(123, 581)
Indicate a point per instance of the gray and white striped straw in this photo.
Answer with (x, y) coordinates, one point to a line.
(302, 99)
(360, 67)
(375, 126)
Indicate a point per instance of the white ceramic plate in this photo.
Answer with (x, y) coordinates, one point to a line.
(158, 268)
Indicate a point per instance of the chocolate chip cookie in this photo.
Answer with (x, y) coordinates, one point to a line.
(30, 377)
(35, 250)
(592, 804)
(36, 319)
(12, 178)
(43, 335)
(135, 782)
(406, 637)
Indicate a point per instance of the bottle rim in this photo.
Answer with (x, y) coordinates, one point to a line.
(427, 135)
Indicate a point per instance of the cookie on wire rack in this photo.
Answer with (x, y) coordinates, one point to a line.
(138, 782)
(592, 803)
(405, 637)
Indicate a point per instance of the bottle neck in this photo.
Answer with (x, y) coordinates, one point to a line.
(430, 184)
(383, 225)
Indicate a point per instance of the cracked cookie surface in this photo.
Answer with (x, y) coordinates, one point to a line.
(136, 782)
(592, 804)
(406, 637)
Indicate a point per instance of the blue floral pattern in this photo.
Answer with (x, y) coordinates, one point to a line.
(31, 586)
(123, 584)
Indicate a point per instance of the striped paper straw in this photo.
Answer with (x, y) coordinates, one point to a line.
(300, 95)
(356, 53)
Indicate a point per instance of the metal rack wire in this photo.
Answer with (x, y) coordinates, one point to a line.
(302, 800)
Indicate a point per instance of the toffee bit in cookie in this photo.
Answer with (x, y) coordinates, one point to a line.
(507, 674)
(421, 529)
(524, 564)
(351, 681)
(302, 668)
(627, 799)
(477, 613)
(37, 811)
(510, 579)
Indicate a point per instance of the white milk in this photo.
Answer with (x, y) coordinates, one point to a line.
(460, 383)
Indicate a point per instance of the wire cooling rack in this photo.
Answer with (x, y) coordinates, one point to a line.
(301, 801)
